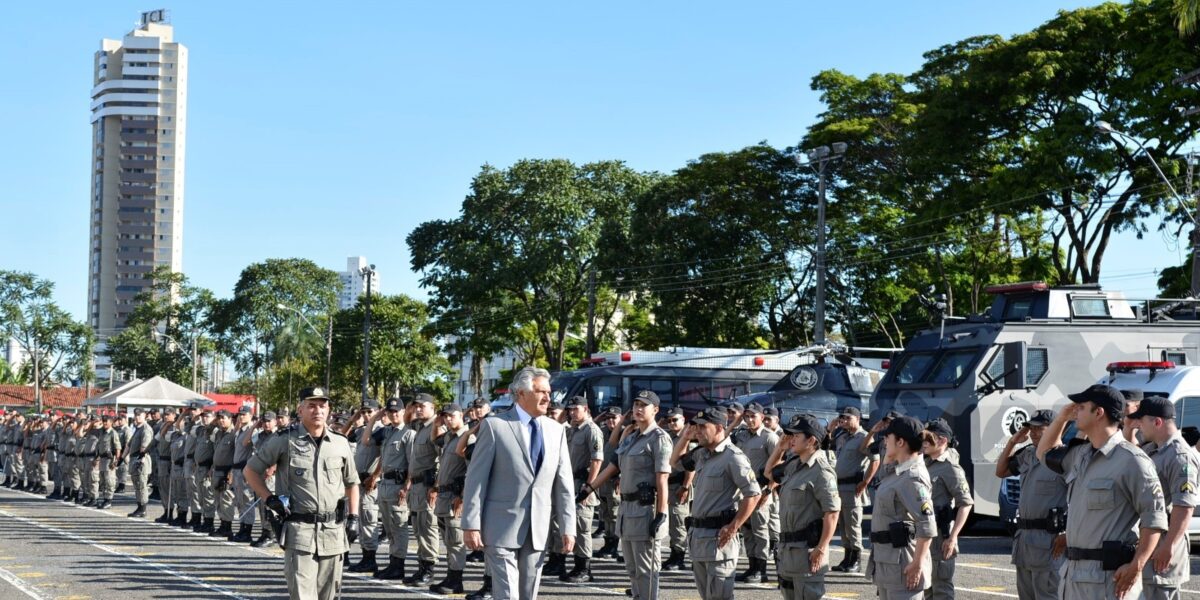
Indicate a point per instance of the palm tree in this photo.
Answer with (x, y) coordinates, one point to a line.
(1187, 14)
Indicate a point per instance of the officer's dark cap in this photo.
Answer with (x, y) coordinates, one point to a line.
(172, 412)
(712, 414)
(223, 413)
(850, 411)
(451, 408)
(478, 403)
(1104, 396)
(371, 403)
(806, 424)
(394, 404)
(905, 428)
(314, 393)
(647, 397)
(612, 411)
(1133, 395)
(771, 411)
(731, 405)
(674, 411)
(424, 398)
(270, 415)
(754, 408)
(155, 411)
(556, 405)
(1041, 418)
(139, 411)
(246, 410)
(940, 427)
(1154, 406)
(576, 401)
(1190, 434)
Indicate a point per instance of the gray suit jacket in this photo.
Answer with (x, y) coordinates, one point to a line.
(503, 499)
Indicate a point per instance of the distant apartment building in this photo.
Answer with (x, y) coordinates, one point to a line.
(354, 283)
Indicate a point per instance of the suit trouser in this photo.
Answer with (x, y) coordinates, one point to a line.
(889, 594)
(516, 572)
(179, 489)
(1037, 584)
(368, 518)
(394, 515)
(140, 472)
(312, 577)
(452, 537)
(850, 520)
(553, 539)
(243, 497)
(677, 514)
(583, 528)
(162, 471)
(222, 495)
(757, 532)
(108, 477)
(642, 564)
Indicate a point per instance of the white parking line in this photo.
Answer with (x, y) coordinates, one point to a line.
(20, 584)
(156, 566)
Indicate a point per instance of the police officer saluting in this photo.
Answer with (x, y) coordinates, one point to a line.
(757, 443)
(902, 526)
(726, 493)
(317, 485)
(140, 461)
(679, 485)
(952, 503)
(853, 465)
(586, 445)
(809, 504)
(1178, 469)
(1113, 492)
(1042, 510)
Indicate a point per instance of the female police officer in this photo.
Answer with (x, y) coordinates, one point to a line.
(902, 525)
(952, 502)
(643, 462)
(808, 504)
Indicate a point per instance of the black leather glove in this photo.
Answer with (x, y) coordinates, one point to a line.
(276, 505)
(351, 529)
(657, 523)
(585, 490)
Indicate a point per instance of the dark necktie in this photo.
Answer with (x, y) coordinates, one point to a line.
(536, 446)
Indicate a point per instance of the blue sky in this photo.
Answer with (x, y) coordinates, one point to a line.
(325, 132)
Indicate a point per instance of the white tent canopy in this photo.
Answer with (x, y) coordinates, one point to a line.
(153, 392)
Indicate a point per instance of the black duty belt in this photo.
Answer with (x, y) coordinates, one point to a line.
(809, 534)
(396, 476)
(711, 522)
(312, 518)
(204, 464)
(427, 477)
(240, 465)
(881, 537)
(1112, 555)
(104, 454)
(178, 463)
(855, 478)
(191, 456)
(1033, 523)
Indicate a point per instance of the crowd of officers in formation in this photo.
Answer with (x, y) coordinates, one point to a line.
(1099, 516)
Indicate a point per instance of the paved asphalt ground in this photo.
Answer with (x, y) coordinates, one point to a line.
(50, 550)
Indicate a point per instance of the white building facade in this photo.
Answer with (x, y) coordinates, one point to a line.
(354, 283)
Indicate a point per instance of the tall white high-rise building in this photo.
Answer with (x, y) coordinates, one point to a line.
(354, 284)
(139, 124)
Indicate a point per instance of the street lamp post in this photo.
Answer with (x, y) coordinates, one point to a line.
(822, 156)
(328, 339)
(1107, 128)
(368, 272)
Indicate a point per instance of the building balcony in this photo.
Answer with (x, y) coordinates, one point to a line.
(131, 163)
(138, 203)
(139, 151)
(139, 137)
(135, 190)
(137, 178)
(126, 84)
(135, 229)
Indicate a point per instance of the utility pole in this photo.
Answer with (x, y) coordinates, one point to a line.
(328, 351)
(367, 272)
(822, 156)
(37, 378)
(591, 324)
(1192, 80)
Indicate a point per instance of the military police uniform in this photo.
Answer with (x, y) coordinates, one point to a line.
(163, 466)
(723, 479)
(950, 492)
(243, 496)
(91, 464)
(808, 491)
(69, 462)
(1042, 516)
(758, 445)
(393, 465)
(1112, 491)
(366, 458)
(585, 444)
(641, 457)
(140, 461)
(451, 476)
(607, 493)
(179, 474)
(313, 474)
(851, 465)
(224, 443)
(678, 511)
(903, 512)
(194, 424)
(422, 475)
(260, 440)
(1178, 467)
(108, 450)
(203, 478)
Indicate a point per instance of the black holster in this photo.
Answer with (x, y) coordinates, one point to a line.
(1117, 554)
(339, 511)
(944, 517)
(646, 493)
(1056, 521)
(902, 533)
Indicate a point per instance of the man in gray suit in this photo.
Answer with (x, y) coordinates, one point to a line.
(518, 478)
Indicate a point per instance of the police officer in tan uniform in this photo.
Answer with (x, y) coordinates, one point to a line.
(108, 450)
(853, 466)
(809, 505)
(1178, 467)
(902, 525)
(1115, 508)
(726, 491)
(316, 500)
(224, 439)
(1042, 512)
(608, 494)
(585, 442)
(140, 461)
(757, 443)
(391, 473)
(952, 502)
(679, 487)
(451, 475)
(422, 476)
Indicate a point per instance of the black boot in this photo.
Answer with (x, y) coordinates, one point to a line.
(852, 561)
(181, 519)
(138, 513)
(244, 535)
(556, 566)
(674, 561)
(366, 565)
(582, 573)
(265, 538)
(120, 488)
(841, 567)
(20, 485)
(485, 592)
(67, 495)
(154, 494)
(225, 530)
(394, 570)
(762, 570)
(608, 549)
(206, 526)
(750, 575)
(104, 504)
(80, 499)
(423, 575)
(166, 517)
(56, 494)
(452, 584)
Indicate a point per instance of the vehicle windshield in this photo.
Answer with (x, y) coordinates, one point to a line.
(560, 386)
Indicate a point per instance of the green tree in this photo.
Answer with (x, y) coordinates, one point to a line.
(404, 357)
(60, 346)
(522, 251)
